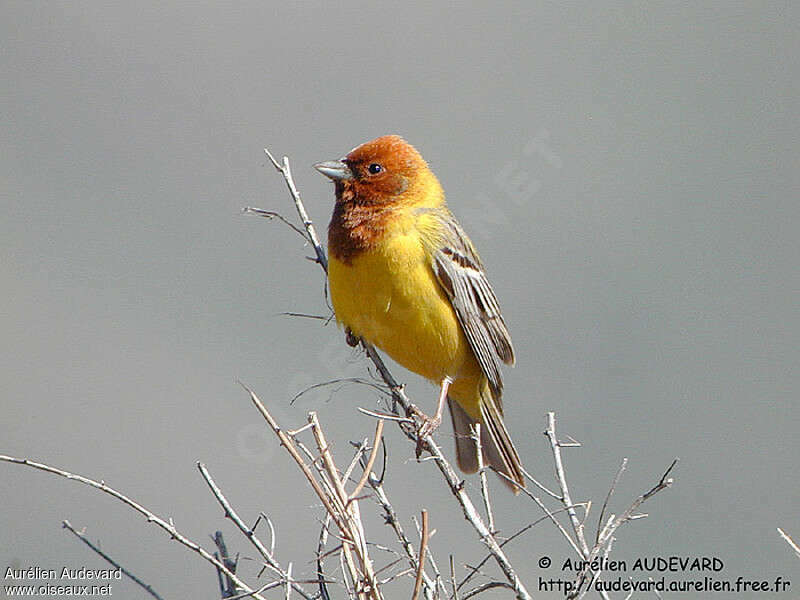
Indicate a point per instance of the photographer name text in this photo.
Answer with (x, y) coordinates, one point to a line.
(648, 564)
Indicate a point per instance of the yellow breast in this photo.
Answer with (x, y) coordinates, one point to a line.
(389, 296)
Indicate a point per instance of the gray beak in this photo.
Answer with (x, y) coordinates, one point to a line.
(334, 169)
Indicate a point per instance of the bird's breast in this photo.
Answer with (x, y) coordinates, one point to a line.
(389, 295)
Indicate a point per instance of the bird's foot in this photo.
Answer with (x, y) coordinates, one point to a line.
(351, 339)
(426, 427)
(429, 425)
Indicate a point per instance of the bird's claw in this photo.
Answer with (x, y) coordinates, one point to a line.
(427, 426)
(351, 339)
(414, 411)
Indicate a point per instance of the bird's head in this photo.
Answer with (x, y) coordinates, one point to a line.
(387, 170)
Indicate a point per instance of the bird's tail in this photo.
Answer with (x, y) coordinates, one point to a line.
(498, 449)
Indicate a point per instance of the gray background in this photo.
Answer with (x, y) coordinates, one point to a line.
(628, 172)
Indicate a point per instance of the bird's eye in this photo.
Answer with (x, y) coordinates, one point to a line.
(374, 168)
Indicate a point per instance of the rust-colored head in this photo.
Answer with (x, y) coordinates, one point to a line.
(371, 182)
(386, 170)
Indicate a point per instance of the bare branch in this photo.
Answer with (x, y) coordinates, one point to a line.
(399, 397)
(231, 514)
(607, 533)
(475, 432)
(342, 381)
(423, 546)
(82, 537)
(608, 497)
(227, 587)
(577, 526)
(323, 540)
(550, 514)
(438, 585)
(370, 461)
(385, 416)
(286, 171)
(453, 585)
(538, 484)
(391, 519)
(349, 511)
(274, 215)
(290, 446)
(305, 316)
(789, 541)
(484, 587)
(151, 517)
(333, 505)
(476, 569)
(566, 499)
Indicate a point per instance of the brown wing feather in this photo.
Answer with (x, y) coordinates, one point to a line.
(460, 273)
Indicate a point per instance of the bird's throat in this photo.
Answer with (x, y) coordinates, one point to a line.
(356, 228)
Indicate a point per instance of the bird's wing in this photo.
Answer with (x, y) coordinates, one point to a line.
(460, 273)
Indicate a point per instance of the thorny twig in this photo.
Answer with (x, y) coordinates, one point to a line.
(453, 585)
(474, 570)
(423, 547)
(475, 432)
(330, 490)
(483, 587)
(227, 587)
(311, 233)
(349, 511)
(555, 445)
(323, 540)
(82, 537)
(789, 541)
(439, 585)
(370, 461)
(249, 533)
(486, 534)
(151, 517)
(392, 520)
(342, 508)
(607, 533)
(566, 499)
(399, 397)
(608, 497)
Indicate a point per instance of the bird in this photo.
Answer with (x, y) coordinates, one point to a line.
(404, 277)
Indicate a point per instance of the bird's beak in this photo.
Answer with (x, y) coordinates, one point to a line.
(335, 169)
